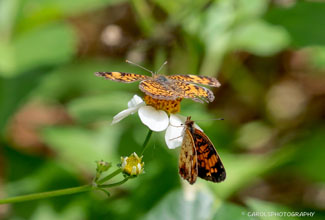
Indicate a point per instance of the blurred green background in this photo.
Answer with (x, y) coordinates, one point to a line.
(55, 114)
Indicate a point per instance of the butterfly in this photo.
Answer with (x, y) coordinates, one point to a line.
(168, 87)
(198, 156)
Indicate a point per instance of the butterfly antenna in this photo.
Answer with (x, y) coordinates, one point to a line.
(130, 62)
(162, 65)
(214, 119)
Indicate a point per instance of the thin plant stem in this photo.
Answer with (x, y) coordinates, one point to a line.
(145, 143)
(110, 176)
(114, 184)
(49, 194)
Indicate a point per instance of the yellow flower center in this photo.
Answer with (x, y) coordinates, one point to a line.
(170, 106)
(132, 165)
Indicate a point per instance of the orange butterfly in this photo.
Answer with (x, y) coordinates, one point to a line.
(198, 157)
(168, 87)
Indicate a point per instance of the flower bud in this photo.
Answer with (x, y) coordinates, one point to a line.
(132, 165)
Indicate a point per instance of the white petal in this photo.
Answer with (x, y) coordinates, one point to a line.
(174, 132)
(177, 120)
(136, 100)
(156, 120)
(134, 170)
(197, 127)
(123, 114)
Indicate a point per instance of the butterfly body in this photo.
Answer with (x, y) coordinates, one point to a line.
(168, 87)
(199, 156)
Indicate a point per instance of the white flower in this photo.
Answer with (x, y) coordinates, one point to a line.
(156, 120)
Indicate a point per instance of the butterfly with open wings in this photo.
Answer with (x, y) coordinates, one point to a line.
(168, 87)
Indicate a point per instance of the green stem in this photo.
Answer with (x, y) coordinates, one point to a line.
(145, 143)
(49, 194)
(110, 176)
(114, 184)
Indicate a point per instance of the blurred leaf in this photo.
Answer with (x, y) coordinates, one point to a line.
(250, 8)
(317, 56)
(51, 174)
(82, 147)
(254, 134)
(90, 109)
(268, 210)
(72, 211)
(306, 30)
(8, 10)
(177, 206)
(310, 155)
(45, 46)
(229, 211)
(243, 170)
(78, 78)
(7, 17)
(44, 11)
(56, 43)
(7, 61)
(14, 92)
(260, 38)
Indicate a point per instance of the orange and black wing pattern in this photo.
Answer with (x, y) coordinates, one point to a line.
(122, 77)
(209, 163)
(168, 87)
(203, 80)
(192, 91)
(158, 90)
(188, 167)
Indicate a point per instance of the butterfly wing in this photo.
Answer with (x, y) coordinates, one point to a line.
(122, 77)
(192, 91)
(188, 167)
(210, 166)
(158, 90)
(204, 80)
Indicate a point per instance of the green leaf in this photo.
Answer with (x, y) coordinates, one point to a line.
(78, 77)
(243, 170)
(302, 21)
(73, 211)
(44, 46)
(38, 12)
(250, 8)
(177, 205)
(89, 109)
(310, 155)
(229, 211)
(81, 147)
(317, 56)
(268, 210)
(260, 38)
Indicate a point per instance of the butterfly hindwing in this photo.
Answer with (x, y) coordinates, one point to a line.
(188, 166)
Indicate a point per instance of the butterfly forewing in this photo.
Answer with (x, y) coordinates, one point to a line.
(210, 166)
(203, 80)
(194, 92)
(122, 77)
